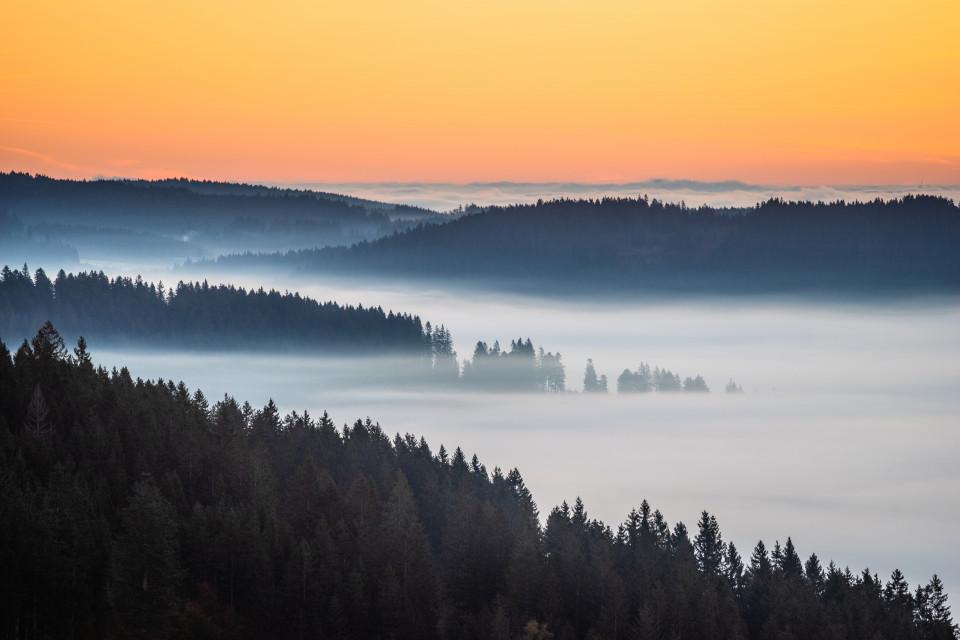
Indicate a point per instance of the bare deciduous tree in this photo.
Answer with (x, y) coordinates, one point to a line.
(38, 422)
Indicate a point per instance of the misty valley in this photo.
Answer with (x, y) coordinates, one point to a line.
(126, 311)
(294, 414)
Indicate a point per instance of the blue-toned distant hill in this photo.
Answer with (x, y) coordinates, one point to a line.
(634, 245)
(167, 221)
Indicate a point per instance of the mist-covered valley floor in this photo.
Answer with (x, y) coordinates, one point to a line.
(844, 438)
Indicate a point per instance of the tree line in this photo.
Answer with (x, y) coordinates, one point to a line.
(198, 315)
(137, 508)
(62, 221)
(124, 309)
(522, 368)
(159, 205)
(645, 380)
(621, 245)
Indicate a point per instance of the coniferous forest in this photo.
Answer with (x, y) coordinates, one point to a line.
(624, 245)
(133, 508)
(194, 314)
(479, 320)
(130, 311)
(616, 245)
(178, 218)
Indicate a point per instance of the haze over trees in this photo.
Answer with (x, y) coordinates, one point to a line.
(522, 368)
(622, 245)
(57, 221)
(130, 311)
(591, 382)
(645, 380)
(610, 245)
(733, 387)
(133, 508)
(126, 310)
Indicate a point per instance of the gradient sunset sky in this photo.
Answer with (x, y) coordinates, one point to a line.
(775, 92)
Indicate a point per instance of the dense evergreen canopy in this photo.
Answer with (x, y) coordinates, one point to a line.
(639, 245)
(196, 315)
(172, 220)
(159, 205)
(132, 508)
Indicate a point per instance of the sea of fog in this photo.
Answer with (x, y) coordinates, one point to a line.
(731, 193)
(846, 438)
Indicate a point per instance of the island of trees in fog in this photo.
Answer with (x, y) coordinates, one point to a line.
(132, 508)
(625, 245)
(126, 310)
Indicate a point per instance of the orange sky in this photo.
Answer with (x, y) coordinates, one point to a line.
(764, 91)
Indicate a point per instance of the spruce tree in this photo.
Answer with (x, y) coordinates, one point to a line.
(708, 545)
(591, 384)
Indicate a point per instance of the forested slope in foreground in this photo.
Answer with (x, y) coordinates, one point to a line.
(624, 245)
(132, 508)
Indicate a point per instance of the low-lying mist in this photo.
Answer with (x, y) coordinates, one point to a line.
(845, 437)
(447, 197)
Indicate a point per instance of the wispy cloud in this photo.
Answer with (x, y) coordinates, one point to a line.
(47, 159)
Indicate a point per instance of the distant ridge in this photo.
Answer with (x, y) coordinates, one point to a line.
(637, 245)
(442, 196)
(168, 221)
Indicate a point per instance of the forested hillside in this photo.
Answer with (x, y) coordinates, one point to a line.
(172, 220)
(635, 245)
(127, 310)
(132, 508)
(130, 311)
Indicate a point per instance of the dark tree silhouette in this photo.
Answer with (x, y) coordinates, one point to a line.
(152, 512)
(38, 423)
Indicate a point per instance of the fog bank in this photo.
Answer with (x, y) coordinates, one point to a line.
(845, 439)
(447, 197)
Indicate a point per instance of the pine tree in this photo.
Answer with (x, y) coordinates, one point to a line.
(708, 545)
(38, 423)
(897, 592)
(406, 549)
(697, 384)
(790, 561)
(735, 567)
(813, 572)
(759, 559)
(680, 543)
(81, 356)
(898, 604)
(591, 384)
(148, 562)
(47, 345)
(932, 612)
(733, 387)
(776, 556)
